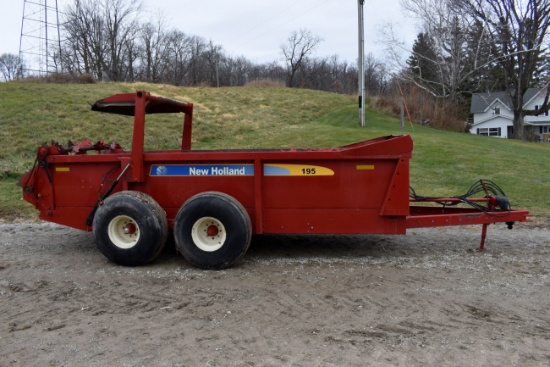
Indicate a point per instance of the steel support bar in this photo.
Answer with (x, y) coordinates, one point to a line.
(483, 235)
(418, 220)
(436, 217)
(448, 200)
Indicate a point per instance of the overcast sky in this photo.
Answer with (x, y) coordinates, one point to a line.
(256, 29)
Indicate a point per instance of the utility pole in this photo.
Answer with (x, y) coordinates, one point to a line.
(361, 64)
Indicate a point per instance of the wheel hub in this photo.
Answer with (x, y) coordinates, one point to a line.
(208, 234)
(212, 231)
(129, 228)
(123, 232)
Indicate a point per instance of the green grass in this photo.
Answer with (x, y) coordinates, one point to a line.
(444, 163)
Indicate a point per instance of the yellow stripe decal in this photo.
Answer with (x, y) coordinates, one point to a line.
(365, 167)
(296, 170)
(62, 169)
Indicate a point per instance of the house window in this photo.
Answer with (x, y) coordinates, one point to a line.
(543, 129)
(497, 111)
(491, 131)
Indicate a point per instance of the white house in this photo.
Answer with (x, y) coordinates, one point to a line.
(493, 115)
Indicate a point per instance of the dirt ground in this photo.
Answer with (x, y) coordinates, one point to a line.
(427, 298)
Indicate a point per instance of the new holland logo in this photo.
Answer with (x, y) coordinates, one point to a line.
(161, 170)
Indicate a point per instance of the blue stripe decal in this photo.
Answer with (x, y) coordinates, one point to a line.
(276, 171)
(203, 170)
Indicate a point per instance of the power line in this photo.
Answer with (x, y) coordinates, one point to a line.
(278, 25)
(263, 22)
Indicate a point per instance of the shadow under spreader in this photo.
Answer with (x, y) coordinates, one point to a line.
(325, 246)
(298, 247)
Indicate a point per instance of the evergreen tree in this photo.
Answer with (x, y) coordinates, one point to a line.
(422, 63)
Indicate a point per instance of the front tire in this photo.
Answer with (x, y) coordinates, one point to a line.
(212, 230)
(130, 228)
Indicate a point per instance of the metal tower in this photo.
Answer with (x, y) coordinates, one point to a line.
(40, 42)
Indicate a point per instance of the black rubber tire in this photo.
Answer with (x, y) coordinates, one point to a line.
(230, 217)
(145, 214)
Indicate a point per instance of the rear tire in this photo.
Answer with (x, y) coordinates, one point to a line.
(130, 228)
(212, 230)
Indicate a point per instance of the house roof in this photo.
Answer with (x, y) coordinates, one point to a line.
(538, 123)
(506, 120)
(481, 101)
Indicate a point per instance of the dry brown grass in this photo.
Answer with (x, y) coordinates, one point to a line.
(60, 78)
(424, 109)
(266, 83)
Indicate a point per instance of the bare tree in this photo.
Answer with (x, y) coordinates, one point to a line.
(179, 54)
(120, 27)
(213, 56)
(519, 30)
(298, 47)
(100, 37)
(11, 67)
(235, 71)
(197, 72)
(441, 59)
(85, 46)
(154, 51)
(376, 75)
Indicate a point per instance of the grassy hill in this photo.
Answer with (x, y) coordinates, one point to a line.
(444, 163)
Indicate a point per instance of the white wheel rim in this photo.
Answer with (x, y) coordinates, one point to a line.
(208, 234)
(123, 232)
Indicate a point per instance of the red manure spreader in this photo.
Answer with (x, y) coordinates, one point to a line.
(213, 201)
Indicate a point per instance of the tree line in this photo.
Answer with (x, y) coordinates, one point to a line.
(107, 40)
